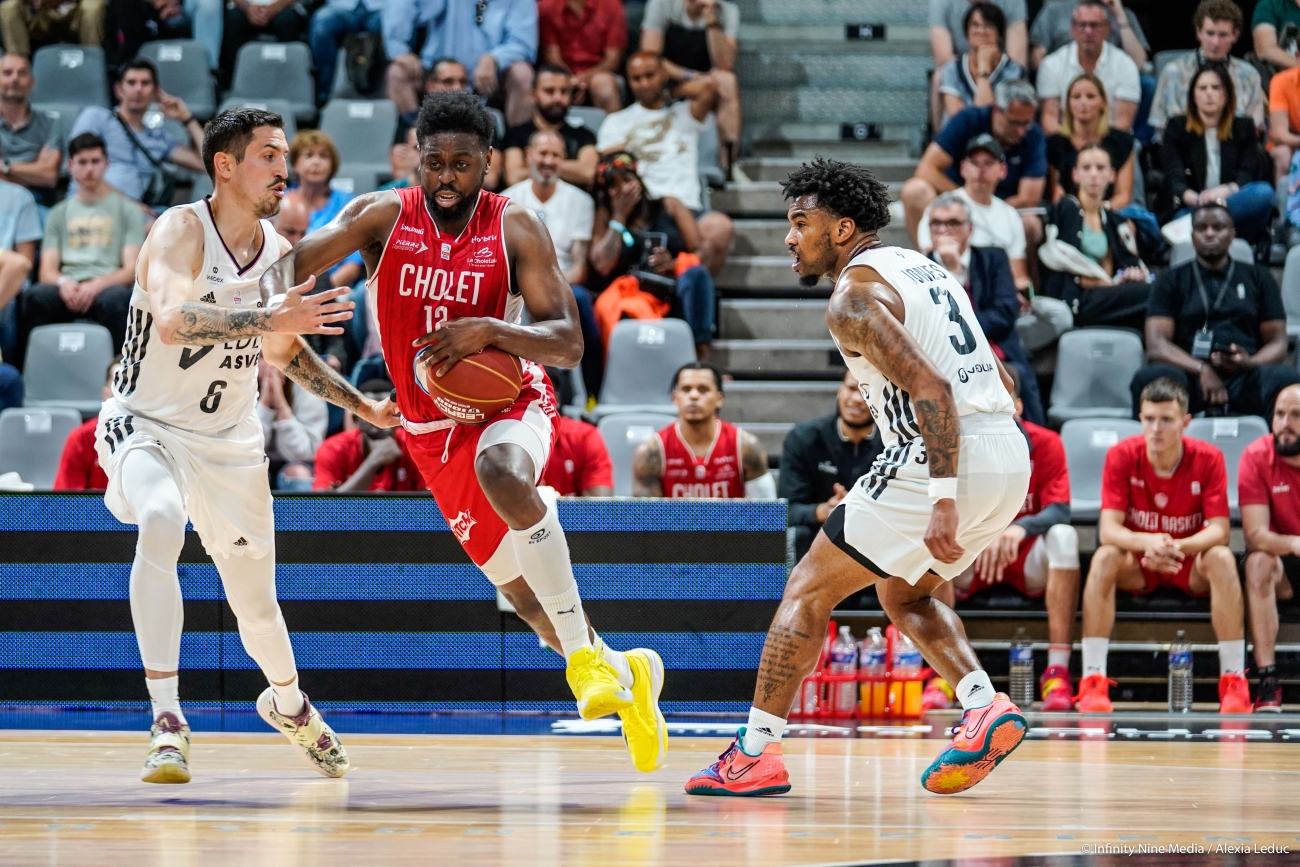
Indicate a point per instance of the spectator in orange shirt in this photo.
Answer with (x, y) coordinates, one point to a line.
(367, 458)
(579, 464)
(79, 468)
(589, 37)
(1284, 119)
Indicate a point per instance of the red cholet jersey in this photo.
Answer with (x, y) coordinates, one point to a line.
(427, 278)
(1049, 479)
(1265, 479)
(1179, 505)
(716, 476)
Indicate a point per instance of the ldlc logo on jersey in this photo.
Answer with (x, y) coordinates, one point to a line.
(460, 526)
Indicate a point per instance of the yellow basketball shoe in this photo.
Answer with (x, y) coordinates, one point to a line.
(310, 735)
(644, 731)
(168, 760)
(595, 685)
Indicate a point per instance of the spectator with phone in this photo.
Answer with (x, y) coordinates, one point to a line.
(1217, 327)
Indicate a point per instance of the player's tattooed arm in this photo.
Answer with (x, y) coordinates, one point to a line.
(779, 670)
(309, 370)
(648, 469)
(753, 458)
(202, 324)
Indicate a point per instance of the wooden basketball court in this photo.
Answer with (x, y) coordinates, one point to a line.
(74, 798)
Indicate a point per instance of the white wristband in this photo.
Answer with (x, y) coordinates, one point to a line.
(943, 489)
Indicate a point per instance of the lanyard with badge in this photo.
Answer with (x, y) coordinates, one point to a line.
(1203, 341)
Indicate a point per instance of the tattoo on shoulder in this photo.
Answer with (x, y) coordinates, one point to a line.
(308, 370)
(752, 456)
(204, 325)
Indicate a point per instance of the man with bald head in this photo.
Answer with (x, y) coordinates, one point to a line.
(1268, 482)
(294, 218)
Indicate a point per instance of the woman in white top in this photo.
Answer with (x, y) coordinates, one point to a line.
(969, 80)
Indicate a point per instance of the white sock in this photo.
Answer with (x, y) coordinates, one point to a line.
(1095, 651)
(617, 659)
(165, 695)
(288, 698)
(1058, 654)
(1232, 656)
(763, 729)
(975, 690)
(543, 555)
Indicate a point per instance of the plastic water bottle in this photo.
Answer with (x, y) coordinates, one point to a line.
(906, 687)
(871, 661)
(1180, 674)
(1021, 669)
(844, 660)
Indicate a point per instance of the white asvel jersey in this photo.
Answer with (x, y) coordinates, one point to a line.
(938, 315)
(204, 389)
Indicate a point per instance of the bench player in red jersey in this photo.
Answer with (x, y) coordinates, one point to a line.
(700, 456)
(1164, 523)
(451, 268)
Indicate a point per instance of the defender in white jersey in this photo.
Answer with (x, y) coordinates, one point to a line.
(180, 438)
(953, 475)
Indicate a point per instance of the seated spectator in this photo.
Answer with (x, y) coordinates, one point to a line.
(665, 141)
(985, 272)
(968, 79)
(31, 24)
(950, 24)
(496, 41)
(1052, 30)
(627, 223)
(132, 147)
(993, 222)
(1217, 327)
(579, 465)
(315, 160)
(292, 220)
(552, 91)
(1284, 121)
(1266, 25)
(446, 73)
(1225, 165)
(1164, 523)
(1218, 26)
(92, 240)
(697, 40)
(1085, 122)
(79, 468)
(1089, 52)
(1102, 278)
(248, 20)
(1038, 555)
(330, 24)
(293, 423)
(367, 458)
(823, 458)
(589, 38)
(1268, 481)
(404, 157)
(293, 223)
(132, 23)
(1010, 120)
(567, 212)
(700, 456)
(20, 229)
(30, 146)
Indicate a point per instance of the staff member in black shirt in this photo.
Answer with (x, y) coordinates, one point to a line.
(821, 459)
(1231, 358)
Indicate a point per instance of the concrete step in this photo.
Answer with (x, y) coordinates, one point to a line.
(759, 272)
(795, 138)
(840, 149)
(781, 358)
(771, 435)
(766, 237)
(764, 199)
(826, 65)
(830, 37)
(837, 105)
(894, 167)
(792, 401)
(833, 12)
(743, 319)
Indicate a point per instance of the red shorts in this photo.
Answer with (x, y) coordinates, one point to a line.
(446, 460)
(1012, 576)
(1180, 580)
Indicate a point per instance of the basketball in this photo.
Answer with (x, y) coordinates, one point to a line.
(476, 388)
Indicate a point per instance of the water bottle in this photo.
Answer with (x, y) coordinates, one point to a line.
(844, 660)
(1180, 674)
(871, 660)
(1021, 669)
(906, 687)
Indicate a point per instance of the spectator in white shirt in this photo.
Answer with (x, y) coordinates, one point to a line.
(294, 422)
(1090, 52)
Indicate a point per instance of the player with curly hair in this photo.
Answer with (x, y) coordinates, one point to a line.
(953, 475)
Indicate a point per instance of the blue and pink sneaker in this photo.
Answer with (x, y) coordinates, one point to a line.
(738, 774)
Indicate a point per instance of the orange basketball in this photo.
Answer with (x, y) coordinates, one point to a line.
(477, 387)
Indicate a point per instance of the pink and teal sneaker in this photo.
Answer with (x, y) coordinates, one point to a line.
(987, 735)
(738, 774)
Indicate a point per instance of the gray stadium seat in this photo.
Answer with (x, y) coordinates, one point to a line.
(501, 122)
(183, 71)
(66, 365)
(1230, 436)
(586, 115)
(279, 106)
(357, 179)
(1163, 58)
(277, 70)
(31, 441)
(65, 116)
(1093, 370)
(343, 88)
(643, 356)
(710, 171)
(1086, 442)
(202, 187)
(69, 74)
(622, 433)
(1183, 252)
(362, 130)
(1291, 291)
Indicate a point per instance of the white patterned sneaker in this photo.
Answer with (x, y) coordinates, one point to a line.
(314, 740)
(168, 760)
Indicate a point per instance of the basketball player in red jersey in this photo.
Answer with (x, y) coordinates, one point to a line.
(451, 269)
(700, 456)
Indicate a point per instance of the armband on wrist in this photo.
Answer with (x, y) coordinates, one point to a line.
(628, 240)
(943, 489)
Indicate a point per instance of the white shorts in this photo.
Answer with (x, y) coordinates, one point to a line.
(222, 477)
(882, 521)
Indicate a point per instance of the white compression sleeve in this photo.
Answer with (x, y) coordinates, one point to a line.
(543, 555)
(250, 589)
(155, 590)
(762, 488)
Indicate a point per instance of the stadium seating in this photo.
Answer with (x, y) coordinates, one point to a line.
(1183, 252)
(271, 70)
(1164, 58)
(362, 130)
(183, 71)
(501, 122)
(1291, 291)
(622, 433)
(642, 358)
(711, 173)
(1086, 442)
(69, 75)
(66, 366)
(356, 179)
(1094, 367)
(586, 115)
(343, 88)
(31, 441)
(1230, 436)
(279, 106)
